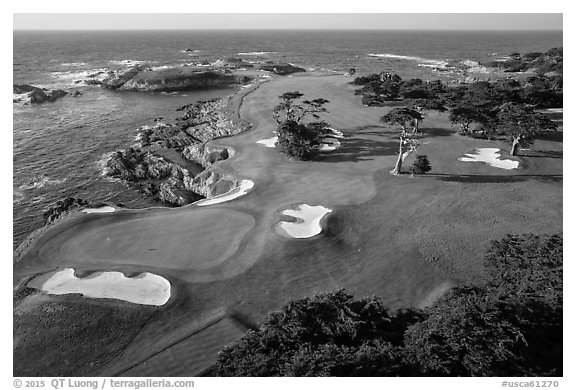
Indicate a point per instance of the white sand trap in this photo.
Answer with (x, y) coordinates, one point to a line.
(103, 209)
(490, 156)
(329, 144)
(307, 221)
(144, 289)
(336, 133)
(234, 193)
(268, 142)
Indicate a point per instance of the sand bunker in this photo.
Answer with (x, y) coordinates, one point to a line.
(268, 142)
(329, 144)
(103, 209)
(490, 156)
(307, 222)
(335, 133)
(144, 289)
(234, 193)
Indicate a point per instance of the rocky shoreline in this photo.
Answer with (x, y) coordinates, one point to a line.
(29, 94)
(166, 181)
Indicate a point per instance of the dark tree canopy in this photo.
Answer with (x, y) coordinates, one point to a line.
(296, 137)
(402, 117)
(521, 124)
(510, 325)
(329, 334)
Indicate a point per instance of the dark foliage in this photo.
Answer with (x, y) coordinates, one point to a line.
(510, 325)
(298, 140)
(327, 334)
(421, 165)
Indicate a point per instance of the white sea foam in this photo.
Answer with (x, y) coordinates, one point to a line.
(427, 62)
(256, 53)
(101, 164)
(144, 289)
(39, 182)
(268, 142)
(127, 62)
(490, 156)
(236, 192)
(307, 222)
(74, 64)
(69, 77)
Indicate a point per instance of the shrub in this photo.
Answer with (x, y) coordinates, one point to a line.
(298, 140)
(421, 165)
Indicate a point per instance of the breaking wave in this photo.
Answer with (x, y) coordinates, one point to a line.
(425, 62)
(39, 182)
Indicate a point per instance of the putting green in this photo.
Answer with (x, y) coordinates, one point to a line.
(167, 240)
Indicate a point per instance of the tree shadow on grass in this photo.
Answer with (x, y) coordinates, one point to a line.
(542, 154)
(495, 178)
(436, 132)
(554, 136)
(358, 149)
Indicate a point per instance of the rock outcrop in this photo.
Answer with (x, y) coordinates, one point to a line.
(208, 120)
(153, 175)
(206, 154)
(63, 207)
(282, 69)
(178, 79)
(117, 79)
(36, 95)
(134, 164)
(168, 136)
(232, 63)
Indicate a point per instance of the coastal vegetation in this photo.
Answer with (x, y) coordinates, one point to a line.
(408, 143)
(297, 137)
(508, 325)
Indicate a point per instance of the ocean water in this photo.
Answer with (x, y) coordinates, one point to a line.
(59, 148)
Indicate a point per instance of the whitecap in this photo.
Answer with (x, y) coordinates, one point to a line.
(40, 182)
(256, 53)
(127, 62)
(73, 64)
(427, 62)
(101, 163)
